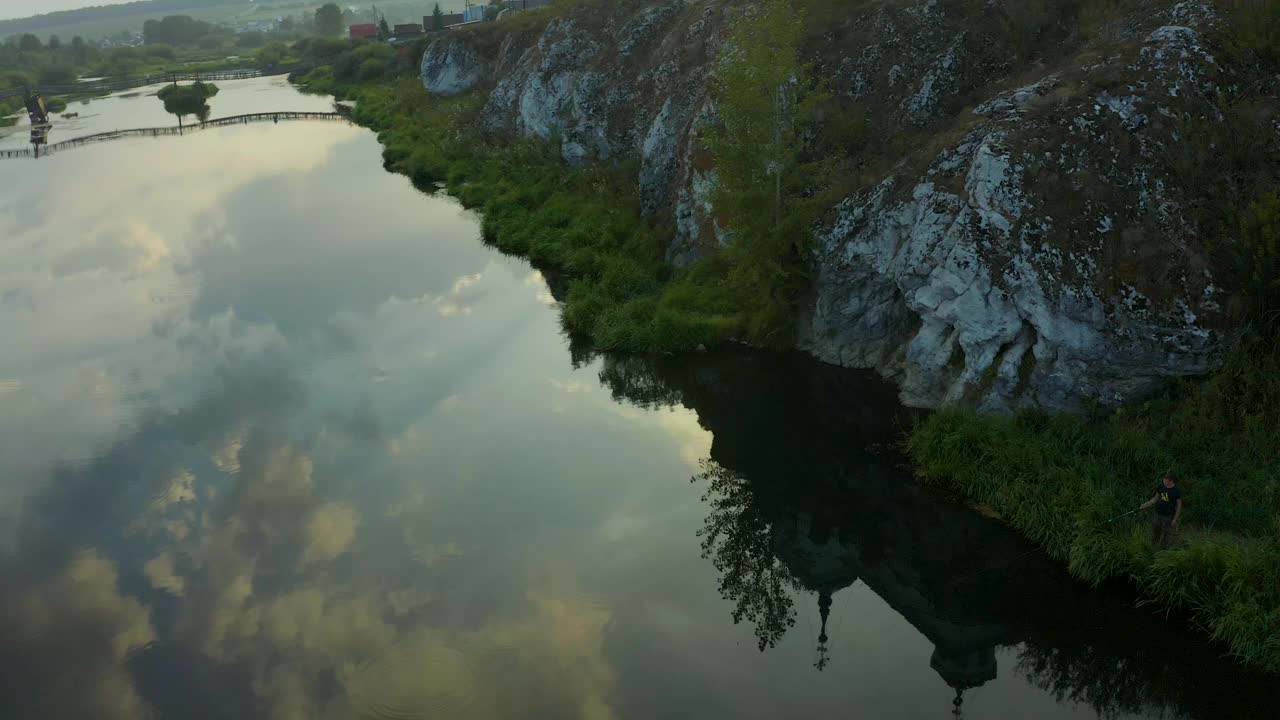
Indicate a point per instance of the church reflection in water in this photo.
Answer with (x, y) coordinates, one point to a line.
(826, 556)
(808, 496)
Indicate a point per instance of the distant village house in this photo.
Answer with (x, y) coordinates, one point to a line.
(364, 30)
(404, 30)
(449, 20)
(478, 12)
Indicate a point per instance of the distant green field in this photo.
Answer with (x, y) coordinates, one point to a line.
(91, 14)
(94, 29)
(395, 12)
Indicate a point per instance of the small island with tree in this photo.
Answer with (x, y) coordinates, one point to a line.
(188, 99)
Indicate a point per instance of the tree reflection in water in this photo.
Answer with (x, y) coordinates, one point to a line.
(805, 492)
(738, 541)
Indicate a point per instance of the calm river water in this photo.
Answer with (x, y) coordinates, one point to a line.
(281, 438)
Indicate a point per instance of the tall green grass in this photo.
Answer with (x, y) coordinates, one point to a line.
(1060, 479)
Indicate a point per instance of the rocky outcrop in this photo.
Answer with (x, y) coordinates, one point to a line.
(452, 68)
(1042, 259)
(611, 83)
(1032, 245)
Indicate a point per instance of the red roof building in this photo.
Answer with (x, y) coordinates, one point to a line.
(366, 30)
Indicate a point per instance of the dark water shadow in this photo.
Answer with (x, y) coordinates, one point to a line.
(807, 490)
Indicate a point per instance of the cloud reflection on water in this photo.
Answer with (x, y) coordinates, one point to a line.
(197, 427)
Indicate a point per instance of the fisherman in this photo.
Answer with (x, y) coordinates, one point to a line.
(1168, 504)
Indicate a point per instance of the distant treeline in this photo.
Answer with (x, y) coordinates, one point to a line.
(179, 30)
(101, 12)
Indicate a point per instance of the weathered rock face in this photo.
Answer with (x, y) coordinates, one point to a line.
(1032, 247)
(451, 68)
(1042, 259)
(624, 81)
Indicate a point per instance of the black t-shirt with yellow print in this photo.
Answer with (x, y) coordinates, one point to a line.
(1167, 499)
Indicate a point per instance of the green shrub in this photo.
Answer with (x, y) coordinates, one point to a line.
(1024, 25)
(57, 74)
(350, 66)
(322, 49)
(1102, 22)
(164, 52)
(251, 40)
(374, 50)
(16, 78)
(124, 54)
(1259, 253)
(272, 55)
(118, 62)
(1255, 26)
(372, 69)
(11, 106)
(211, 42)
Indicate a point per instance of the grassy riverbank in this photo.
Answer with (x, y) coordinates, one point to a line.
(1059, 479)
(582, 224)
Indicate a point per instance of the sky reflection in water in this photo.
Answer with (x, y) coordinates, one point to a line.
(279, 437)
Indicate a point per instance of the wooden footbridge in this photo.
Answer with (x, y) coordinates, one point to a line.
(272, 117)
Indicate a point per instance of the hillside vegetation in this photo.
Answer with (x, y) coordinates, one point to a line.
(101, 21)
(788, 144)
(584, 223)
(117, 17)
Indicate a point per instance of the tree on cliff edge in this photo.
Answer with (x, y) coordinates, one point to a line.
(329, 19)
(764, 97)
(759, 86)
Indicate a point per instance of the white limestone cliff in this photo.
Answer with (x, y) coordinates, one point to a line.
(1038, 254)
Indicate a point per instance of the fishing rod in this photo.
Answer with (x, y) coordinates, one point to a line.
(1121, 516)
(1034, 550)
